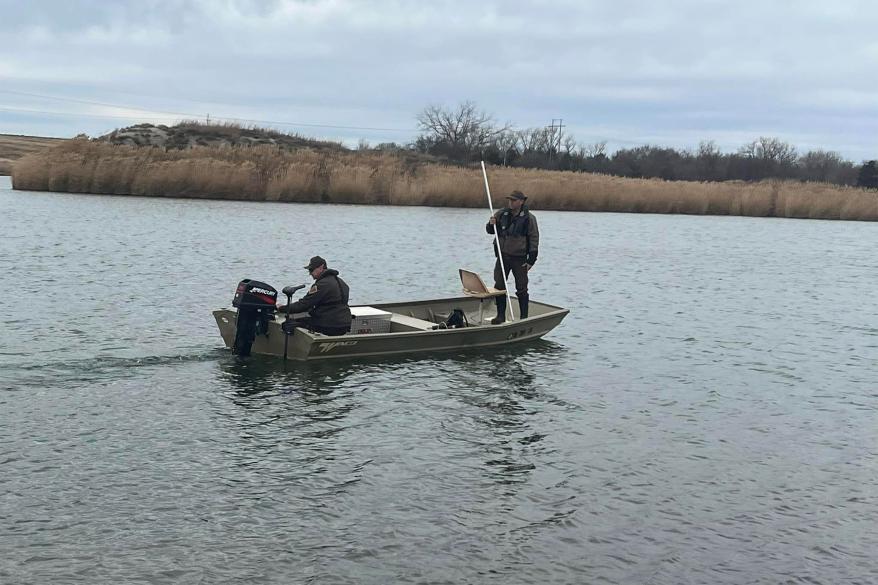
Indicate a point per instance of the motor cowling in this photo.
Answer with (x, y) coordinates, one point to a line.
(256, 303)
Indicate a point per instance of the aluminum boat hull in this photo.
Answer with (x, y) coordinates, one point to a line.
(411, 331)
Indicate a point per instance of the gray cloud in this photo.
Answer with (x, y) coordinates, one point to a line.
(630, 72)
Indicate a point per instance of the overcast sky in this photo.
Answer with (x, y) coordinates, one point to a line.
(668, 73)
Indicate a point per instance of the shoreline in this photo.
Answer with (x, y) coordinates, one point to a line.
(264, 173)
(497, 205)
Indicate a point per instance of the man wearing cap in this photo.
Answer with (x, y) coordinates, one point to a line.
(519, 242)
(326, 301)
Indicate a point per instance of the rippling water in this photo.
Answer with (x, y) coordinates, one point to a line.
(708, 413)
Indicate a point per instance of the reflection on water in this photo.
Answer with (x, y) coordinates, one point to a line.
(257, 374)
(500, 393)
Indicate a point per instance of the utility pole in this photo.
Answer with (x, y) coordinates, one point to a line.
(556, 141)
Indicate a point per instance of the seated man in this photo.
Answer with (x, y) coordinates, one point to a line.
(326, 302)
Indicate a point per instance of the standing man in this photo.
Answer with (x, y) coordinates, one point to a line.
(519, 242)
(326, 301)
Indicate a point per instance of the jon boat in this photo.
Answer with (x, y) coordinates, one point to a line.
(415, 327)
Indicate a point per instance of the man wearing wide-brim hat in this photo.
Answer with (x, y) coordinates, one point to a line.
(326, 301)
(519, 239)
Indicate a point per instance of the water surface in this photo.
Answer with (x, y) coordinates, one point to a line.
(707, 413)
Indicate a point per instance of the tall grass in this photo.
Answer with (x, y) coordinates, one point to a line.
(267, 173)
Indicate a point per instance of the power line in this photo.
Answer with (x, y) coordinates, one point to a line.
(88, 102)
(559, 126)
(197, 116)
(77, 115)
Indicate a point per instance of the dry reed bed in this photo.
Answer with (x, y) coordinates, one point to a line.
(269, 174)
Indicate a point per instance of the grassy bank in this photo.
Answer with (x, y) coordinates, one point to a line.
(13, 147)
(267, 173)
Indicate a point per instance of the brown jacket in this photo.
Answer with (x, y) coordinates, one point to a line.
(519, 234)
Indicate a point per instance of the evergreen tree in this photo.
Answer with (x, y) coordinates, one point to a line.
(868, 175)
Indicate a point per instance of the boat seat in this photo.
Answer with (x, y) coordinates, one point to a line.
(474, 286)
(411, 322)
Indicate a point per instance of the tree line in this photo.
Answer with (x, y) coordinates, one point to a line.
(466, 134)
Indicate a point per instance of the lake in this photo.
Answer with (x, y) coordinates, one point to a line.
(707, 413)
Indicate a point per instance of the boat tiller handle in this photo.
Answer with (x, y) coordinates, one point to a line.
(289, 290)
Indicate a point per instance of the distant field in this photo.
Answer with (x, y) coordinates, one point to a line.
(13, 147)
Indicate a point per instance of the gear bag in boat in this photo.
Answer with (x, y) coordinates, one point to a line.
(457, 319)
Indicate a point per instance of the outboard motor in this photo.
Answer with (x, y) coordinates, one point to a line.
(256, 303)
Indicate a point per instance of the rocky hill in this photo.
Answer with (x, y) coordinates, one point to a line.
(179, 137)
(189, 134)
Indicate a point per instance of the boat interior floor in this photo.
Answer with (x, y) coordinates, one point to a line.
(405, 323)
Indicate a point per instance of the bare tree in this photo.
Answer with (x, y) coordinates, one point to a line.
(708, 150)
(594, 149)
(768, 157)
(535, 139)
(507, 144)
(821, 165)
(463, 130)
(526, 139)
(707, 161)
(868, 175)
(770, 149)
(462, 133)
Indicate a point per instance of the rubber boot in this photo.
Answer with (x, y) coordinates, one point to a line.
(501, 310)
(523, 300)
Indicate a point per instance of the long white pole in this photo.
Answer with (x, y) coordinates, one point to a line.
(497, 241)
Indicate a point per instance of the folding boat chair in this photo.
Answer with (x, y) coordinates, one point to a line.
(474, 286)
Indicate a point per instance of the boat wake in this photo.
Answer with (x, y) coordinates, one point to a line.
(96, 369)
